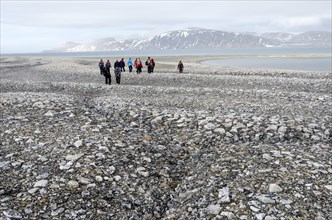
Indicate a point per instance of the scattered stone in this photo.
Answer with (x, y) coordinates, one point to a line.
(229, 215)
(224, 195)
(209, 126)
(12, 214)
(41, 183)
(212, 144)
(33, 190)
(329, 187)
(147, 138)
(78, 143)
(84, 180)
(220, 131)
(213, 209)
(74, 157)
(142, 172)
(265, 199)
(274, 188)
(73, 184)
(99, 178)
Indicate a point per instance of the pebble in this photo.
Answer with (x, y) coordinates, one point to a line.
(78, 143)
(12, 214)
(41, 183)
(329, 187)
(74, 157)
(274, 188)
(213, 209)
(265, 199)
(224, 195)
(73, 184)
(210, 144)
(99, 178)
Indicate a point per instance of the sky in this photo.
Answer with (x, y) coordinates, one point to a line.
(34, 26)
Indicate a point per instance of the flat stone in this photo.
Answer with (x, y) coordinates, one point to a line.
(229, 215)
(49, 114)
(117, 178)
(265, 199)
(74, 157)
(12, 214)
(329, 187)
(38, 105)
(99, 178)
(224, 195)
(220, 131)
(254, 209)
(41, 183)
(210, 126)
(260, 216)
(213, 209)
(73, 184)
(203, 122)
(84, 180)
(274, 188)
(141, 171)
(267, 157)
(33, 190)
(147, 138)
(78, 143)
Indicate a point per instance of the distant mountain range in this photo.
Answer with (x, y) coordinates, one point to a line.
(199, 38)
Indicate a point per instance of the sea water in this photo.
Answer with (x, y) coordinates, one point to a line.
(280, 63)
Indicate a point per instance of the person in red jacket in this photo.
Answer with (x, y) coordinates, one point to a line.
(152, 65)
(138, 64)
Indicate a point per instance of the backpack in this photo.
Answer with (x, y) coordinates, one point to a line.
(146, 63)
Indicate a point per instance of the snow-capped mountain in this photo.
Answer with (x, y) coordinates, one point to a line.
(283, 37)
(312, 38)
(203, 38)
(199, 38)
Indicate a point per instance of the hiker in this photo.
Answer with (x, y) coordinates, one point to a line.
(101, 66)
(130, 65)
(107, 73)
(138, 64)
(152, 65)
(117, 71)
(180, 67)
(147, 63)
(122, 65)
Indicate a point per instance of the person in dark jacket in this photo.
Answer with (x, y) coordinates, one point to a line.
(101, 66)
(122, 65)
(107, 74)
(147, 63)
(117, 71)
(180, 67)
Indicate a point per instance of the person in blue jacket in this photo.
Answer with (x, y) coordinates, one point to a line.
(130, 65)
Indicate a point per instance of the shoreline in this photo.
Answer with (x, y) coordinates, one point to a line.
(192, 60)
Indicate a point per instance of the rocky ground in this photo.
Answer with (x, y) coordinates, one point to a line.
(212, 143)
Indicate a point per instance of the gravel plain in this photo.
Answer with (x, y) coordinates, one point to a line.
(211, 143)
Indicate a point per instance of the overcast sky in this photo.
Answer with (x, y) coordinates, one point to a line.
(33, 26)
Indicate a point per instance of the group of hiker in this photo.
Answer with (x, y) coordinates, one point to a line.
(119, 66)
